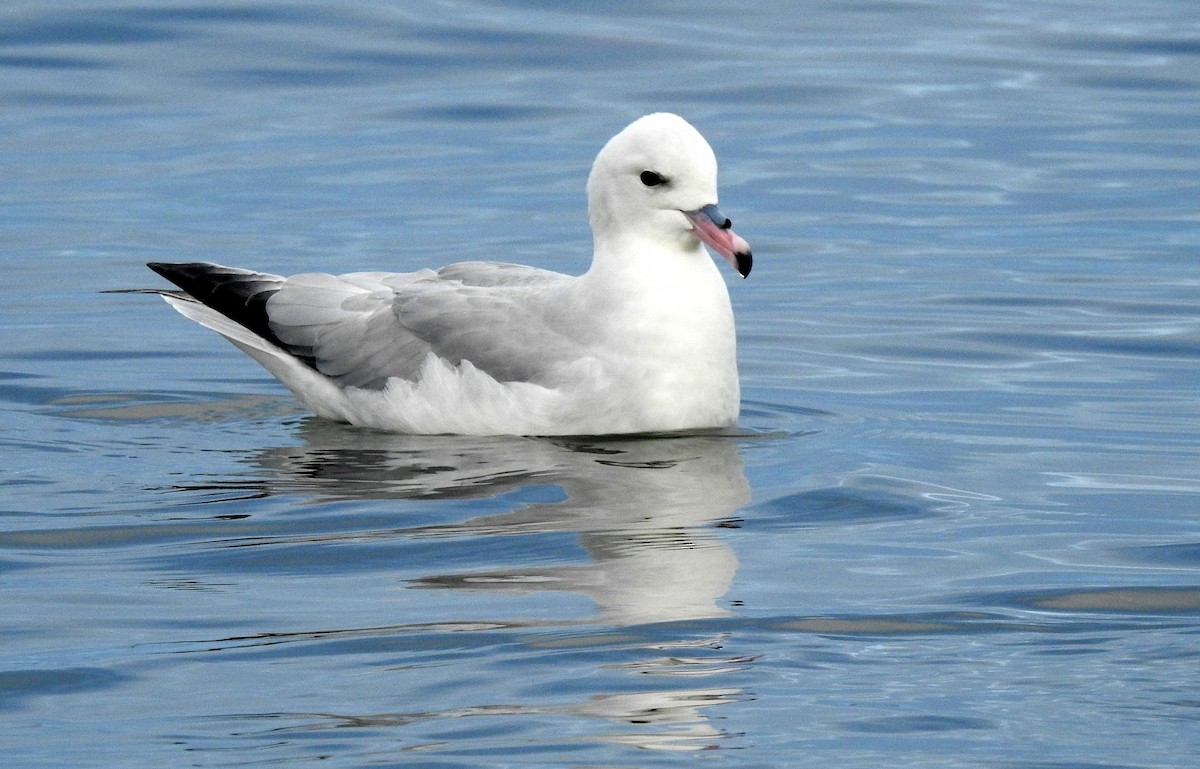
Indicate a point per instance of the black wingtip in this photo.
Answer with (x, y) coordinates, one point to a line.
(240, 295)
(188, 275)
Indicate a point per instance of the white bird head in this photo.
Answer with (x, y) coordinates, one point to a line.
(656, 181)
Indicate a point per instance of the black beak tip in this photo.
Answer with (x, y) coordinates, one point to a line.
(744, 262)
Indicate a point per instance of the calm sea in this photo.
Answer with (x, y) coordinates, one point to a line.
(959, 525)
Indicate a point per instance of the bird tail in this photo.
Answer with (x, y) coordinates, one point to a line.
(239, 295)
(233, 303)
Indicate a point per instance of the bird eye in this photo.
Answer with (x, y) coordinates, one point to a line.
(652, 178)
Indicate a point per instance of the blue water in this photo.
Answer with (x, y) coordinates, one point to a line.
(959, 525)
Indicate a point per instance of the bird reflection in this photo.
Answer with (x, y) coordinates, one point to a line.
(647, 512)
(643, 508)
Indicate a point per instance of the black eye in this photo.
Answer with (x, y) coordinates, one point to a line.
(652, 179)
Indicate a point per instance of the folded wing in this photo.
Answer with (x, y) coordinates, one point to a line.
(362, 329)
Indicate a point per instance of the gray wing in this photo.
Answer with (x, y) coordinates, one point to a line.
(498, 274)
(363, 328)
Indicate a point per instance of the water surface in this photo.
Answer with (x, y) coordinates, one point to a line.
(957, 524)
